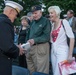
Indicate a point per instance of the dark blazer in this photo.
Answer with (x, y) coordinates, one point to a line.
(8, 49)
(73, 24)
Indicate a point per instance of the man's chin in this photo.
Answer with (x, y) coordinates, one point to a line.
(36, 18)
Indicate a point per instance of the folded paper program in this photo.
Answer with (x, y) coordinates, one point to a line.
(67, 68)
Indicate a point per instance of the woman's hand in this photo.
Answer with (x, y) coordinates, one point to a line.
(70, 59)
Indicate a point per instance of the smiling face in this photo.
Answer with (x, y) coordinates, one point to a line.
(37, 14)
(24, 22)
(53, 15)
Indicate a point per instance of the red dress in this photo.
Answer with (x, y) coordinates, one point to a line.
(55, 33)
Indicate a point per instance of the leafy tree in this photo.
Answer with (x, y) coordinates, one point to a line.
(65, 5)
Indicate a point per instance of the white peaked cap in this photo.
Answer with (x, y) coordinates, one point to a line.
(14, 5)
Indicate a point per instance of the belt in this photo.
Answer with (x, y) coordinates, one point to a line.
(39, 43)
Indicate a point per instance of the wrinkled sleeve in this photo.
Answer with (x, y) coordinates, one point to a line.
(68, 29)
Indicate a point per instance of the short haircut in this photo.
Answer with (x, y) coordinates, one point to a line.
(29, 14)
(56, 9)
(71, 11)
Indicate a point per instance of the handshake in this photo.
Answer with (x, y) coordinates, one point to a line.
(24, 48)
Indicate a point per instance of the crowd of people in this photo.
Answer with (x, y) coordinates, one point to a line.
(47, 37)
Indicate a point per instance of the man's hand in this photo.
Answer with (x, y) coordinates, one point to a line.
(21, 50)
(31, 41)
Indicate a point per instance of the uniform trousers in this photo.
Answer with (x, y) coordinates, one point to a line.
(5, 65)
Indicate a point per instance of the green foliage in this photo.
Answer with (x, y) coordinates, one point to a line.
(65, 5)
(1, 5)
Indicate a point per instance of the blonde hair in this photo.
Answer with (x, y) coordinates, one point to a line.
(56, 9)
